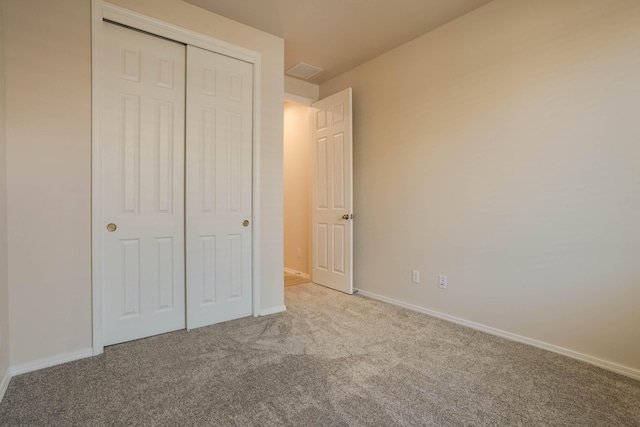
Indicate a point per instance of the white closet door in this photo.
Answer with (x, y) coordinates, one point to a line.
(142, 139)
(218, 174)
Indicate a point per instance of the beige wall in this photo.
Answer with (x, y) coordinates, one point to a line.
(502, 150)
(297, 187)
(48, 88)
(48, 53)
(4, 286)
(300, 88)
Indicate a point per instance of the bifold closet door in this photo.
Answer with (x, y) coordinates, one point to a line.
(141, 134)
(219, 188)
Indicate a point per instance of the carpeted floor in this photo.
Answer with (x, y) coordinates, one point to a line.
(330, 360)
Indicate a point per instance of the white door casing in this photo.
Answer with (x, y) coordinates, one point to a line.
(142, 133)
(219, 188)
(332, 192)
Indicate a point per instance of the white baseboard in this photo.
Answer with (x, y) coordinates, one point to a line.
(629, 372)
(51, 361)
(4, 384)
(297, 273)
(273, 310)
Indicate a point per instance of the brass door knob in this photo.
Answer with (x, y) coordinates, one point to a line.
(345, 216)
(112, 227)
(245, 223)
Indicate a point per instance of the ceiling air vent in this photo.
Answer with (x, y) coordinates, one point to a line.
(303, 71)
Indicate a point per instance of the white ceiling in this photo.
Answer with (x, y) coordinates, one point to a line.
(338, 35)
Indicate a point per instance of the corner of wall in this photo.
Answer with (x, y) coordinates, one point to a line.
(5, 374)
(4, 383)
(299, 91)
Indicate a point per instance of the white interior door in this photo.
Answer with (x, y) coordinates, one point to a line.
(332, 188)
(219, 188)
(142, 139)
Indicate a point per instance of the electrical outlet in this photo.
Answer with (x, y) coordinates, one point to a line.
(442, 282)
(299, 253)
(416, 276)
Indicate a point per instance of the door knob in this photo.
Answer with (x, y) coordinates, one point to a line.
(345, 216)
(245, 222)
(111, 227)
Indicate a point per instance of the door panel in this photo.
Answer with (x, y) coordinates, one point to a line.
(219, 188)
(142, 139)
(332, 233)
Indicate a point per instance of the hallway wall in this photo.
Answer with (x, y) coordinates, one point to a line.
(297, 187)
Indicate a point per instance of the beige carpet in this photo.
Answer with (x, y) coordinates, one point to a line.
(294, 279)
(329, 360)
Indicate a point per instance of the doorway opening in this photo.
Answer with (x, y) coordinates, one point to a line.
(297, 194)
(318, 190)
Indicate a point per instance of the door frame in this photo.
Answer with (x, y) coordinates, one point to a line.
(100, 11)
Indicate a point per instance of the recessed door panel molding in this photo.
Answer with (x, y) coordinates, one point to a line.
(338, 113)
(332, 192)
(321, 120)
(234, 163)
(339, 236)
(337, 168)
(236, 271)
(165, 73)
(142, 150)
(130, 304)
(208, 270)
(130, 153)
(165, 278)
(219, 188)
(322, 241)
(321, 169)
(207, 159)
(208, 81)
(130, 64)
(235, 87)
(164, 156)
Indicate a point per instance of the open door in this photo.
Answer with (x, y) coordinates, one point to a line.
(332, 190)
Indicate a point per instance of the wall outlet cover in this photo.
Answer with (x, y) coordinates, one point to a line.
(442, 282)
